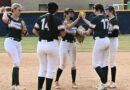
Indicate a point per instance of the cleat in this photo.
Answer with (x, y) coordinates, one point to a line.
(101, 87)
(12, 87)
(112, 85)
(105, 85)
(57, 85)
(74, 86)
(20, 88)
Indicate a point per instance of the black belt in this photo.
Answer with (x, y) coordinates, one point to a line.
(48, 40)
(16, 39)
(100, 37)
(70, 41)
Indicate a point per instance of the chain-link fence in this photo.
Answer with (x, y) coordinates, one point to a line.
(5, 3)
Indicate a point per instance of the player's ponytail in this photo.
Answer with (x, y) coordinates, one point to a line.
(52, 8)
(50, 21)
(113, 11)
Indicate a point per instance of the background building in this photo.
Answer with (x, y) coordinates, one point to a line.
(35, 5)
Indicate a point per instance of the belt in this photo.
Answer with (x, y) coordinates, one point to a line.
(48, 40)
(70, 41)
(99, 37)
(15, 39)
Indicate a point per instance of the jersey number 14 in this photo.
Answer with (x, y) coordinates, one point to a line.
(44, 25)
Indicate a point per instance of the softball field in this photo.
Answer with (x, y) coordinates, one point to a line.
(87, 78)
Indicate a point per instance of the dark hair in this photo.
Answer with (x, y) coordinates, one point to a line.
(111, 9)
(99, 7)
(67, 11)
(52, 8)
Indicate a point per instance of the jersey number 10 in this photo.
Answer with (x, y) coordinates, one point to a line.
(105, 23)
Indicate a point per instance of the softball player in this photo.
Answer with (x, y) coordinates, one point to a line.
(113, 36)
(48, 27)
(99, 26)
(67, 47)
(12, 44)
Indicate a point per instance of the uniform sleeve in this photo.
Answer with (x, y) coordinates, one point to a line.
(93, 23)
(37, 25)
(60, 25)
(94, 20)
(115, 31)
(115, 25)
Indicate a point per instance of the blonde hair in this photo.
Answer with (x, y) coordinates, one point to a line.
(15, 6)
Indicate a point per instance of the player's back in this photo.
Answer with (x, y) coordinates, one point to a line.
(44, 30)
(101, 29)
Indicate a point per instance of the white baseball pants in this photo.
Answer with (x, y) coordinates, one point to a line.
(14, 49)
(66, 49)
(48, 56)
(113, 51)
(101, 52)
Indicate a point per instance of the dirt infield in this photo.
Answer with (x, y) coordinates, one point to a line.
(87, 78)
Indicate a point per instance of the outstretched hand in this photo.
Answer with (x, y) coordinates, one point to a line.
(83, 16)
(65, 24)
(79, 16)
(3, 9)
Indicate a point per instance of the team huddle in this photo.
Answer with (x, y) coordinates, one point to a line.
(48, 28)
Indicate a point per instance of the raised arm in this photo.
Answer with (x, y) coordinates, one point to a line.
(88, 22)
(73, 23)
(5, 18)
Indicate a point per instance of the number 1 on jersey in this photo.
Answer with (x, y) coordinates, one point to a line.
(105, 23)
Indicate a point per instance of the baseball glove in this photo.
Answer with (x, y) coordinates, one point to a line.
(79, 35)
(24, 29)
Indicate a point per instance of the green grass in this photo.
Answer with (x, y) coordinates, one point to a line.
(29, 44)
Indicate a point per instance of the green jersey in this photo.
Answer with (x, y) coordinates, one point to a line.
(69, 38)
(14, 28)
(42, 27)
(113, 27)
(101, 26)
